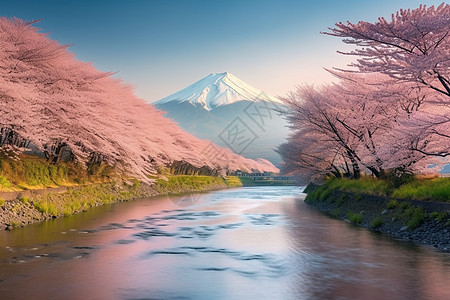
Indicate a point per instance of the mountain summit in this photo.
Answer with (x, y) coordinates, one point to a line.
(230, 113)
(217, 89)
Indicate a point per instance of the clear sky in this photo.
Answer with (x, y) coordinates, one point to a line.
(162, 46)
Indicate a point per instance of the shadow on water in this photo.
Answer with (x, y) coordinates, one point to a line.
(243, 243)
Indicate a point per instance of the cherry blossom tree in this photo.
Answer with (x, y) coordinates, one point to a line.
(62, 105)
(362, 124)
(413, 46)
(318, 136)
(390, 110)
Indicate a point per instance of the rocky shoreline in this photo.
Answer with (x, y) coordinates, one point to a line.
(422, 222)
(19, 209)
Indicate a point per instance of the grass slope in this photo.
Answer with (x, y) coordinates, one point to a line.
(426, 189)
(30, 172)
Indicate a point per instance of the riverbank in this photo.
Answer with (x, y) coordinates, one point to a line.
(422, 222)
(21, 208)
(249, 181)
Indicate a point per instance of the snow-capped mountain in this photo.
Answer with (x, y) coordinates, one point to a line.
(231, 113)
(218, 89)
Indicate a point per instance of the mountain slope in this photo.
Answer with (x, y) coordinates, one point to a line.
(218, 89)
(221, 105)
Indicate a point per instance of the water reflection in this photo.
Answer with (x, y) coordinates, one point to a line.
(352, 263)
(244, 243)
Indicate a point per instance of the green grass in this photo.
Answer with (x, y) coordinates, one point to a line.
(354, 218)
(316, 193)
(325, 194)
(186, 183)
(392, 204)
(31, 172)
(404, 205)
(46, 208)
(417, 218)
(376, 222)
(439, 216)
(337, 212)
(2, 201)
(4, 183)
(25, 200)
(341, 199)
(81, 198)
(363, 186)
(233, 181)
(436, 189)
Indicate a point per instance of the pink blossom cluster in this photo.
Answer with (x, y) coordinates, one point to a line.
(389, 111)
(47, 96)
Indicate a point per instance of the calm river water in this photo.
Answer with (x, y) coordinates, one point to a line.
(244, 243)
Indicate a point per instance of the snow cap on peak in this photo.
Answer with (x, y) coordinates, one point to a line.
(218, 89)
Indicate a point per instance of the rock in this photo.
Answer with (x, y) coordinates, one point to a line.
(384, 211)
(403, 228)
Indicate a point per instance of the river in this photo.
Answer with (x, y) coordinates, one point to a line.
(243, 243)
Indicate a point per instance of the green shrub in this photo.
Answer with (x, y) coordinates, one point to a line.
(408, 213)
(404, 205)
(392, 204)
(354, 218)
(377, 222)
(74, 206)
(398, 177)
(315, 194)
(337, 212)
(15, 223)
(46, 208)
(439, 216)
(416, 219)
(4, 182)
(325, 194)
(67, 211)
(340, 200)
(25, 200)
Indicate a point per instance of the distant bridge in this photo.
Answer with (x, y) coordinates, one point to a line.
(264, 178)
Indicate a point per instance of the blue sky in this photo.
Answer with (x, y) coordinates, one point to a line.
(161, 46)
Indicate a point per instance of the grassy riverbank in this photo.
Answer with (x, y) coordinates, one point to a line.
(425, 189)
(24, 210)
(25, 172)
(422, 217)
